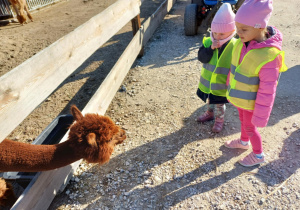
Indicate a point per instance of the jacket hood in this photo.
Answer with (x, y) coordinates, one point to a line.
(275, 40)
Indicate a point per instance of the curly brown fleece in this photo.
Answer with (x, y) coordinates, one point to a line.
(91, 137)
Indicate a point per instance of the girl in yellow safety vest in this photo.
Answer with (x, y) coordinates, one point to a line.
(215, 54)
(256, 62)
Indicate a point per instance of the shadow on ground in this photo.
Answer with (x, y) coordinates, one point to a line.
(181, 187)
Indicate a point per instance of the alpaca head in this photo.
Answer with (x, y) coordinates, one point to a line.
(95, 136)
(7, 196)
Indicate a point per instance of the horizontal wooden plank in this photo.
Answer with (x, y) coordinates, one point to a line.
(25, 87)
(47, 184)
(150, 25)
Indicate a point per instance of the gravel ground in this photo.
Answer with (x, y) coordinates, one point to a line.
(169, 161)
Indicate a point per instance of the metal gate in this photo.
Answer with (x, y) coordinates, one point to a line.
(36, 4)
(6, 11)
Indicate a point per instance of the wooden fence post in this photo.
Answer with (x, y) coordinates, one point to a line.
(136, 25)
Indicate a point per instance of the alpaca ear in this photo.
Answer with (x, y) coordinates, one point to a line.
(7, 195)
(91, 140)
(76, 113)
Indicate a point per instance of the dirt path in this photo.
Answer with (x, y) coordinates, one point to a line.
(19, 43)
(169, 161)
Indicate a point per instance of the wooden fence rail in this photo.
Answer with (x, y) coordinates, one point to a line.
(26, 86)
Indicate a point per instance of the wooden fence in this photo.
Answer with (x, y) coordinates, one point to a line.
(30, 83)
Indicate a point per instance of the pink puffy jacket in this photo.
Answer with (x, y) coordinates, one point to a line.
(268, 76)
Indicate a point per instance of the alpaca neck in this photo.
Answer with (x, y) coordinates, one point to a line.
(16, 156)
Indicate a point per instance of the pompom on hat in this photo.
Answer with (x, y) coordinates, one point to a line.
(224, 20)
(255, 13)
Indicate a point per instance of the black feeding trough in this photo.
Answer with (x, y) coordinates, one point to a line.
(52, 134)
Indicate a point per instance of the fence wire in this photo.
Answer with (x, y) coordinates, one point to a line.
(36, 4)
(6, 11)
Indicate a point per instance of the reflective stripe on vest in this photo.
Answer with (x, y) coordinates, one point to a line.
(222, 70)
(215, 86)
(248, 80)
(214, 73)
(242, 94)
(209, 67)
(244, 77)
(218, 70)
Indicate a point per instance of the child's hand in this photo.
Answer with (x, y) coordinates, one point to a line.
(215, 44)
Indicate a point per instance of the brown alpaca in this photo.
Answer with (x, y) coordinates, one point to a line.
(20, 7)
(7, 196)
(92, 137)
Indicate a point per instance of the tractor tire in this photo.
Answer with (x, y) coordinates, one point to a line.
(198, 2)
(190, 20)
(239, 4)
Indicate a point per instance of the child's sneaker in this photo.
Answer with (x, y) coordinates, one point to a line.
(218, 126)
(251, 160)
(236, 144)
(207, 116)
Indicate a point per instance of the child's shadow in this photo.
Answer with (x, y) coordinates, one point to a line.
(286, 165)
(135, 166)
(273, 173)
(210, 174)
(207, 176)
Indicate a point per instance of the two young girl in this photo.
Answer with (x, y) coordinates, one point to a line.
(256, 63)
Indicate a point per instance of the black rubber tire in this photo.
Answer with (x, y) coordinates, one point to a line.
(190, 20)
(198, 2)
(239, 4)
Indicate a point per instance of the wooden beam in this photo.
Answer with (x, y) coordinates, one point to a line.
(46, 185)
(155, 19)
(29, 84)
(136, 25)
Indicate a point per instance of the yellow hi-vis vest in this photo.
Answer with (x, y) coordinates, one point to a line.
(214, 73)
(244, 77)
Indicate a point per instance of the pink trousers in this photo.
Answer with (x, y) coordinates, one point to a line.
(249, 131)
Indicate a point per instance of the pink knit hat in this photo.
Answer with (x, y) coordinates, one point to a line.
(255, 13)
(223, 20)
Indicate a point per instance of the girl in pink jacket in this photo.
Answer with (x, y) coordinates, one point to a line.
(257, 60)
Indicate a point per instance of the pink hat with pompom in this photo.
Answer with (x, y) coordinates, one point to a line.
(224, 20)
(255, 13)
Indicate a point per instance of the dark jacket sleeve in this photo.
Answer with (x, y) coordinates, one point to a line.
(205, 54)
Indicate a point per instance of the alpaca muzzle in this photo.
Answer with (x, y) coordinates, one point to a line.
(119, 137)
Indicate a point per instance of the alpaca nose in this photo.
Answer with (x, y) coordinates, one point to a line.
(122, 134)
